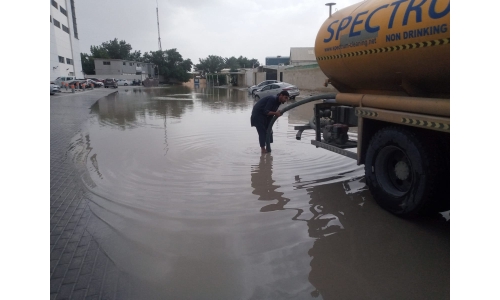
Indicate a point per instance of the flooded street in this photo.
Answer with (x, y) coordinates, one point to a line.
(188, 208)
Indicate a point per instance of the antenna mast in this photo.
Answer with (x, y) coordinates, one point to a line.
(158, 21)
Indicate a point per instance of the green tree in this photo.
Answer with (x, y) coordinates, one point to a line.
(136, 56)
(211, 64)
(248, 63)
(157, 58)
(99, 52)
(170, 64)
(114, 49)
(87, 64)
(232, 64)
(117, 50)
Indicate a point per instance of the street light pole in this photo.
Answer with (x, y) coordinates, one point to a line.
(330, 5)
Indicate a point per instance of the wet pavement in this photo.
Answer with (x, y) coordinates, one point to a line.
(162, 193)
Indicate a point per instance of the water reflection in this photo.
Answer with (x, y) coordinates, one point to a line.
(218, 99)
(369, 254)
(263, 184)
(359, 250)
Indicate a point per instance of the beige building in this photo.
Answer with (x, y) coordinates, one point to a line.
(302, 56)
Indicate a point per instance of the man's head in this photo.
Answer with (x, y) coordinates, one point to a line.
(283, 96)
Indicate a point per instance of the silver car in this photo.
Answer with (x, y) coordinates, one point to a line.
(253, 88)
(275, 88)
(54, 88)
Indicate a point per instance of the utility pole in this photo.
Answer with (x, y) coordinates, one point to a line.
(158, 21)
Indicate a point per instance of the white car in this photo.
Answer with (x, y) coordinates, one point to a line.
(96, 84)
(276, 88)
(253, 88)
(124, 82)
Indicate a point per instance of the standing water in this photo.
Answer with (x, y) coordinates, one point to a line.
(188, 208)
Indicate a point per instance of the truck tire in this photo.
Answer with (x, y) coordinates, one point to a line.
(400, 172)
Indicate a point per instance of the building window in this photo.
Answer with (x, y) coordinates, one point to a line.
(75, 29)
(65, 29)
(56, 23)
(61, 59)
(64, 12)
(50, 19)
(106, 63)
(71, 74)
(69, 61)
(54, 3)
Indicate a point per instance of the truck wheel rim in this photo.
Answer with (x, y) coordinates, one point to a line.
(393, 168)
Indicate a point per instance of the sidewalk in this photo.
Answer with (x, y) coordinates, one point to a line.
(79, 269)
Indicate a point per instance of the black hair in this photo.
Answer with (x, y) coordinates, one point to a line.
(284, 93)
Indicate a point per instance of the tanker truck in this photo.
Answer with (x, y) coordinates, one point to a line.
(389, 60)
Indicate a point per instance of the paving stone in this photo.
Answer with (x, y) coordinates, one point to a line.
(77, 267)
(56, 254)
(94, 287)
(87, 268)
(66, 258)
(82, 282)
(61, 243)
(76, 263)
(80, 251)
(55, 284)
(70, 247)
(65, 291)
(78, 294)
(59, 271)
(53, 264)
(71, 276)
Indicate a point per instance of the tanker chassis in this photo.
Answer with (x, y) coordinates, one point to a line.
(390, 62)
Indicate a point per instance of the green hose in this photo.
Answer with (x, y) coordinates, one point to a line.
(307, 100)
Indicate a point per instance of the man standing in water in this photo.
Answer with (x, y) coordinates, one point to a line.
(263, 112)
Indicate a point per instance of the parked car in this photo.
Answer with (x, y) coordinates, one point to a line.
(60, 81)
(124, 82)
(253, 88)
(54, 88)
(276, 88)
(97, 84)
(110, 82)
(97, 79)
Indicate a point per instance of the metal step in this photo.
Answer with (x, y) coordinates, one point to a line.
(339, 148)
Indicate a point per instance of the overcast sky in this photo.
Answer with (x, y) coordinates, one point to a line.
(198, 28)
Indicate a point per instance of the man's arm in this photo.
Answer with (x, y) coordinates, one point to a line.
(270, 109)
(274, 113)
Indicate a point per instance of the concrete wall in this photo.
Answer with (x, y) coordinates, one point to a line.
(261, 76)
(307, 78)
(114, 68)
(249, 77)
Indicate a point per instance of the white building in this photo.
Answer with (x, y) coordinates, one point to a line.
(300, 56)
(64, 45)
(122, 69)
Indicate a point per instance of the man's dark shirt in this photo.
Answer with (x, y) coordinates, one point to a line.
(262, 108)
